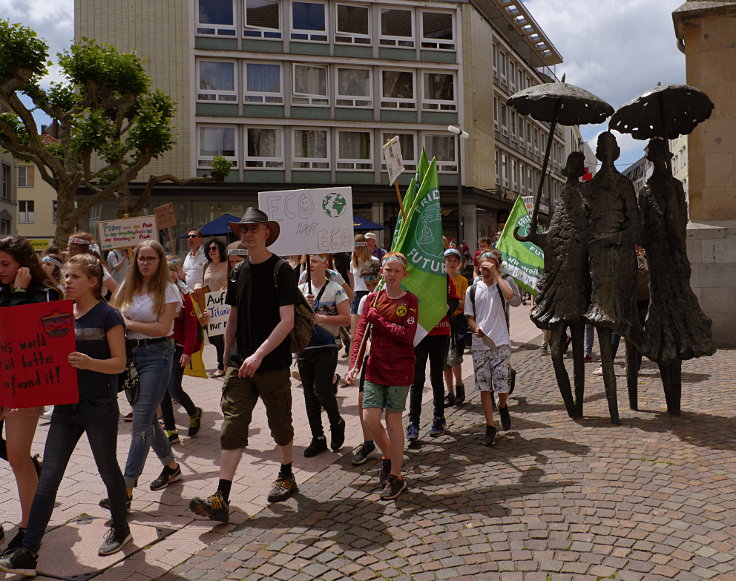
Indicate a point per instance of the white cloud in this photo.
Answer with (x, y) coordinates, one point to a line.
(616, 49)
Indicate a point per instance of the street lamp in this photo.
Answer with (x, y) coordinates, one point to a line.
(460, 136)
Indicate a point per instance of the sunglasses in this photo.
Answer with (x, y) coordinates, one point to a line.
(213, 249)
(192, 235)
(251, 229)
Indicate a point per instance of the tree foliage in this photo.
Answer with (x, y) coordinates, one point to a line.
(111, 123)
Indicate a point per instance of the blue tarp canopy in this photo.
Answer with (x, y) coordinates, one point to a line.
(218, 226)
(364, 224)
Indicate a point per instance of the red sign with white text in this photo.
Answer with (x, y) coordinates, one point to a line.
(35, 341)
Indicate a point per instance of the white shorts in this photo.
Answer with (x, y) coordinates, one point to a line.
(491, 367)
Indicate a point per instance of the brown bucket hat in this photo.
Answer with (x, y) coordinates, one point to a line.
(255, 216)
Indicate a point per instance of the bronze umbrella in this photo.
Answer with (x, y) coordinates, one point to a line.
(558, 103)
(667, 111)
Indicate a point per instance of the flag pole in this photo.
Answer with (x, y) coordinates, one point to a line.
(401, 202)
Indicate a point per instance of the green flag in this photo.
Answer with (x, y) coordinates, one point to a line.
(522, 260)
(420, 240)
(411, 190)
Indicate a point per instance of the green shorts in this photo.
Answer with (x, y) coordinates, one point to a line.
(389, 397)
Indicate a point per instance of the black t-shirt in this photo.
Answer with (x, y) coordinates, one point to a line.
(253, 292)
(91, 334)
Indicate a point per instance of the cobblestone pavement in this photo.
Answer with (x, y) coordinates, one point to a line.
(556, 499)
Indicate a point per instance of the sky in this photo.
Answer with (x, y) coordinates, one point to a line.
(616, 49)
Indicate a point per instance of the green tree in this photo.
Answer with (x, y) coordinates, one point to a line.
(112, 124)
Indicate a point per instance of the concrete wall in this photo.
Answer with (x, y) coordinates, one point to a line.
(160, 32)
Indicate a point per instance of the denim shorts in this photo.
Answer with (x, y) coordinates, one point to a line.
(355, 303)
(392, 398)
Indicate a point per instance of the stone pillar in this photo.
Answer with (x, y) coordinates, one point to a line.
(707, 29)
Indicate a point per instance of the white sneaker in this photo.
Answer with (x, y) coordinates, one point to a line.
(598, 371)
(46, 416)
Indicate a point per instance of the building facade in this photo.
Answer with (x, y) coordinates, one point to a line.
(304, 94)
(7, 194)
(36, 206)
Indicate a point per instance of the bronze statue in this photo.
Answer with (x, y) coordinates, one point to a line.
(564, 288)
(614, 230)
(676, 328)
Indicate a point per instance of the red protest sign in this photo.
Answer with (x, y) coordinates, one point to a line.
(34, 343)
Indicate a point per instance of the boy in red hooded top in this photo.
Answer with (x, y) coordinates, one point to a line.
(392, 314)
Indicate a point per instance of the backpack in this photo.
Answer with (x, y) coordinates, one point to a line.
(301, 333)
(513, 302)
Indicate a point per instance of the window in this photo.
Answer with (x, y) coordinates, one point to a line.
(217, 82)
(308, 21)
(505, 170)
(497, 167)
(216, 140)
(512, 76)
(502, 65)
(353, 24)
(443, 148)
(496, 112)
(310, 85)
(216, 18)
(354, 150)
(504, 119)
(54, 210)
(25, 211)
(408, 149)
(354, 88)
(262, 19)
(5, 182)
(439, 92)
(438, 31)
(264, 148)
(397, 28)
(263, 83)
(4, 224)
(311, 149)
(397, 90)
(25, 176)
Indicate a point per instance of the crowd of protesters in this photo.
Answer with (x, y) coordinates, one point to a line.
(139, 306)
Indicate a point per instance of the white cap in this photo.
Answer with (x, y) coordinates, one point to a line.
(371, 235)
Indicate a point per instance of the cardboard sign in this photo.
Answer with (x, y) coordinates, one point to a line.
(218, 311)
(312, 221)
(127, 232)
(34, 343)
(165, 216)
(394, 160)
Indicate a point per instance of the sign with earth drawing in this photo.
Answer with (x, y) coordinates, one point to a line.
(312, 221)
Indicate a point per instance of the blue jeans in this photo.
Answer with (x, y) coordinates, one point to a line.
(154, 367)
(99, 419)
(176, 391)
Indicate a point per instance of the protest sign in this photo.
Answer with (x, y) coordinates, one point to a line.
(312, 221)
(218, 311)
(522, 260)
(127, 232)
(393, 159)
(165, 216)
(35, 341)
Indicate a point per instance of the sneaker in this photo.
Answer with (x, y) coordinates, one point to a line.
(283, 487)
(412, 432)
(167, 476)
(450, 398)
(598, 371)
(489, 439)
(385, 472)
(214, 507)
(115, 540)
(544, 350)
(15, 542)
(19, 562)
(505, 417)
(105, 503)
(362, 453)
(173, 436)
(459, 394)
(394, 487)
(46, 416)
(129, 417)
(195, 422)
(337, 438)
(587, 358)
(438, 427)
(217, 374)
(295, 375)
(317, 446)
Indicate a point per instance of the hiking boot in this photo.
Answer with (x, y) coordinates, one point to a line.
(283, 487)
(505, 417)
(459, 394)
(489, 439)
(412, 433)
(167, 476)
(450, 398)
(362, 453)
(214, 507)
(317, 446)
(195, 422)
(173, 436)
(105, 503)
(338, 435)
(394, 487)
(115, 540)
(438, 427)
(385, 472)
(19, 562)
